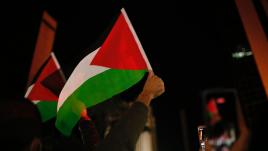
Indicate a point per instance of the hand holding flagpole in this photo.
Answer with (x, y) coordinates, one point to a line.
(153, 87)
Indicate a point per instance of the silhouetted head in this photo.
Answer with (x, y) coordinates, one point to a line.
(20, 124)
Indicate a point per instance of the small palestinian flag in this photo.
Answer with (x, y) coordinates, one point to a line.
(45, 90)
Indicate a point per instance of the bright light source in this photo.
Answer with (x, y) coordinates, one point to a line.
(241, 54)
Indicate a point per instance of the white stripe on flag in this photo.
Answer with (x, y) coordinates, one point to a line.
(28, 91)
(81, 73)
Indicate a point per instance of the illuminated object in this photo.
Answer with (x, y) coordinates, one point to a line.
(241, 54)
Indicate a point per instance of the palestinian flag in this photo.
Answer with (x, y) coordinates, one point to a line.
(45, 90)
(119, 63)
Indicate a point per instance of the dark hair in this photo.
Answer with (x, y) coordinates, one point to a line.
(20, 123)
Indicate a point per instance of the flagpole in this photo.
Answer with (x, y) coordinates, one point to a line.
(137, 39)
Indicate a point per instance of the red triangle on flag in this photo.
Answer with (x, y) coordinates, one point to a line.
(39, 90)
(121, 50)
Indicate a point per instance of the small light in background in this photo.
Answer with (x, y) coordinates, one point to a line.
(220, 100)
(242, 53)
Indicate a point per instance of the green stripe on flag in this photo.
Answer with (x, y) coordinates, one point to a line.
(93, 91)
(47, 109)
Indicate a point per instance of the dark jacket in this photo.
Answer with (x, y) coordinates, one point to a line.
(125, 132)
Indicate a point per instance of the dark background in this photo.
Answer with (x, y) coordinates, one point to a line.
(189, 45)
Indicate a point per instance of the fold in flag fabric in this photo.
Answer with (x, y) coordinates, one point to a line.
(119, 63)
(45, 90)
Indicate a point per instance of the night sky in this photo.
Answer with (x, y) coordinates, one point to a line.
(188, 44)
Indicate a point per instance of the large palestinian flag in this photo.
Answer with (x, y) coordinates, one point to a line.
(45, 90)
(119, 63)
